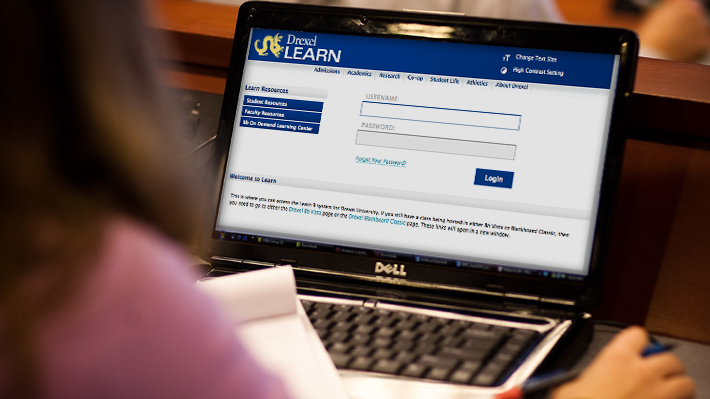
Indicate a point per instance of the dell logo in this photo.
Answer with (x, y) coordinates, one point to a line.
(395, 270)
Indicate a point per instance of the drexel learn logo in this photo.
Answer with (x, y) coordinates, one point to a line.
(297, 46)
(273, 44)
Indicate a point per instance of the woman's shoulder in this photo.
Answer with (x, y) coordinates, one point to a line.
(137, 325)
(127, 239)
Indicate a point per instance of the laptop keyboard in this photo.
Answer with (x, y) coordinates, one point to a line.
(416, 345)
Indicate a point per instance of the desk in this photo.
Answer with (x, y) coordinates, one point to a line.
(656, 272)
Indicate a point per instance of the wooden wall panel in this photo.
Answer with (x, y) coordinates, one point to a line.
(680, 305)
(648, 196)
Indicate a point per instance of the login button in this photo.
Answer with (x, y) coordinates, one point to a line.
(493, 178)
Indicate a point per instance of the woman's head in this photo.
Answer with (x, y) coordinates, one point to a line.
(84, 127)
(85, 133)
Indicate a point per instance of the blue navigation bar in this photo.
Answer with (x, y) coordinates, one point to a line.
(493, 178)
(273, 113)
(282, 114)
(274, 102)
(433, 58)
(274, 124)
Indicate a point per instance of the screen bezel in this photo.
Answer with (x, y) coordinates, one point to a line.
(335, 20)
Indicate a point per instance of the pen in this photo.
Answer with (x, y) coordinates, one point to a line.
(656, 347)
(559, 377)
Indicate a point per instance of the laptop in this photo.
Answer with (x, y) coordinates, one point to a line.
(441, 184)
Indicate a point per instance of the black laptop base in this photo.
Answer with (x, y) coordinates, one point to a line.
(434, 343)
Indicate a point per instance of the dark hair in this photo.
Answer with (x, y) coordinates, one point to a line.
(85, 134)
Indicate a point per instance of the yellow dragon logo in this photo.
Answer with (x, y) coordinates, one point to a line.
(276, 49)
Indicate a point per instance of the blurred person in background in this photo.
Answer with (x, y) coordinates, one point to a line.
(96, 293)
(528, 10)
(677, 30)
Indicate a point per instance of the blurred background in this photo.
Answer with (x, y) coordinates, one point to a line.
(677, 30)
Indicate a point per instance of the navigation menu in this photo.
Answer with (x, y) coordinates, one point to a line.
(285, 114)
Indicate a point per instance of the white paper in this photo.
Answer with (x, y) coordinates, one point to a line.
(254, 295)
(276, 330)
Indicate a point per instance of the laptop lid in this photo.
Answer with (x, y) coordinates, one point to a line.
(421, 150)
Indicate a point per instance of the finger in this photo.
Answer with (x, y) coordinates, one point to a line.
(665, 364)
(679, 387)
(634, 339)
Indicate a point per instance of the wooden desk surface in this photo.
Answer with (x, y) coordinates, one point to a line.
(657, 271)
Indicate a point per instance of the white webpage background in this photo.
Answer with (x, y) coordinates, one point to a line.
(556, 166)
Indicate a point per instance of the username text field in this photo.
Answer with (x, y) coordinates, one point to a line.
(418, 113)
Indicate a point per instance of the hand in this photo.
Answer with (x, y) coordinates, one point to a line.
(620, 372)
(678, 29)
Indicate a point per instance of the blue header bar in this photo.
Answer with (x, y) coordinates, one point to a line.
(433, 58)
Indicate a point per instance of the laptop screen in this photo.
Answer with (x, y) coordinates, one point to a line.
(430, 152)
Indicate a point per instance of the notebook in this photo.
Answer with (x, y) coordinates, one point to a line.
(449, 178)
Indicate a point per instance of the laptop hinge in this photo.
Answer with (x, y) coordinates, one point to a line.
(223, 259)
(491, 289)
(258, 263)
(500, 290)
(525, 297)
(243, 261)
(557, 301)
